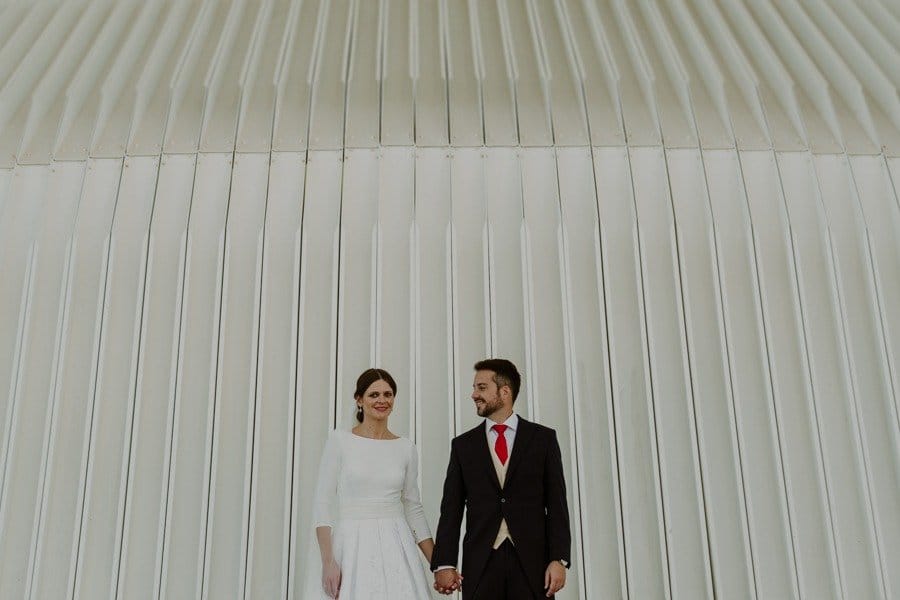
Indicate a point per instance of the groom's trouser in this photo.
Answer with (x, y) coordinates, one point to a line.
(503, 577)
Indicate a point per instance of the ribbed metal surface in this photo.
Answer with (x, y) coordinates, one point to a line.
(104, 78)
(679, 218)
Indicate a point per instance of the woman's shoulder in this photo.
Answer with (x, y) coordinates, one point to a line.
(336, 437)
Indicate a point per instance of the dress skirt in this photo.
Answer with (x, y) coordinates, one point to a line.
(378, 556)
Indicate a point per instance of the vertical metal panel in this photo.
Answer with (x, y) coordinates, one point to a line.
(357, 277)
(691, 541)
(632, 566)
(259, 88)
(762, 319)
(845, 467)
(395, 70)
(711, 269)
(594, 480)
(328, 99)
(151, 433)
(464, 99)
(90, 100)
(105, 481)
(638, 116)
(869, 373)
(564, 89)
(528, 71)
(59, 87)
(599, 83)
(363, 98)
(24, 195)
(393, 328)
(704, 83)
(710, 326)
(881, 213)
(497, 76)
(225, 563)
(506, 239)
(470, 277)
(295, 80)
(183, 125)
(188, 472)
(316, 369)
(52, 572)
(736, 567)
(548, 388)
(226, 82)
(430, 73)
(36, 389)
(44, 39)
(435, 373)
(663, 77)
(273, 434)
(138, 123)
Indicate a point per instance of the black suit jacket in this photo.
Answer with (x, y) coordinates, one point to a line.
(533, 502)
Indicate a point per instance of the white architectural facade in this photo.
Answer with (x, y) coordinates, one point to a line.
(680, 218)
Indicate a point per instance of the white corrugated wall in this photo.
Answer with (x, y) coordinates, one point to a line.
(680, 218)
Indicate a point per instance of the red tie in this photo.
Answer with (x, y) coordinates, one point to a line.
(500, 444)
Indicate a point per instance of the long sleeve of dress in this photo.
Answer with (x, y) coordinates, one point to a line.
(412, 502)
(325, 499)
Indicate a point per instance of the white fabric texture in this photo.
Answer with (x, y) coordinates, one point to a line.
(368, 493)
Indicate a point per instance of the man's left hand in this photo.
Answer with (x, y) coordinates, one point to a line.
(554, 577)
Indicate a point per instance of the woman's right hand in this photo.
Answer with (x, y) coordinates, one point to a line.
(331, 578)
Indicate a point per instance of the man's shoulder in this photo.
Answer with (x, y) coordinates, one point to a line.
(470, 434)
(525, 424)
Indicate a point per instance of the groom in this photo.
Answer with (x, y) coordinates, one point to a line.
(507, 473)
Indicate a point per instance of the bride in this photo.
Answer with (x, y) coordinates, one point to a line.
(367, 511)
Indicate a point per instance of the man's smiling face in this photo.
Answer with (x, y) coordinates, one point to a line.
(486, 394)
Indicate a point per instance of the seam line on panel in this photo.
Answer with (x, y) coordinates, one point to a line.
(213, 410)
(383, 9)
(251, 443)
(760, 312)
(729, 360)
(172, 424)
(134, 393)
(603, 291)
(795, 270)
(857, 418)
(881, 327)
(645, 336)
(337, 287)
(49, 446)
(295, 424)
(97, 366)
(247, 534)
(565, 278)
(661, 501)
(16, 377)
(567, 34)
(443, 24)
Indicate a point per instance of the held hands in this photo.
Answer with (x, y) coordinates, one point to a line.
(554, 577)
(331, 578)
(447, 581)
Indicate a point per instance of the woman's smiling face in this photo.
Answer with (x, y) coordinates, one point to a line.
(378, 401)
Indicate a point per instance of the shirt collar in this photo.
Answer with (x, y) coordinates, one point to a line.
(511, 423)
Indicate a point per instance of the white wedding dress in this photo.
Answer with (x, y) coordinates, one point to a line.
(368, 493)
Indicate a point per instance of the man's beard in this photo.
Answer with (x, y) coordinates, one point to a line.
(489, 407)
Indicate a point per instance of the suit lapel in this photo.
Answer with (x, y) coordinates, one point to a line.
(523, 437)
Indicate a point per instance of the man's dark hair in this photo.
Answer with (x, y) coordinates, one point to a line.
(505, 373)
